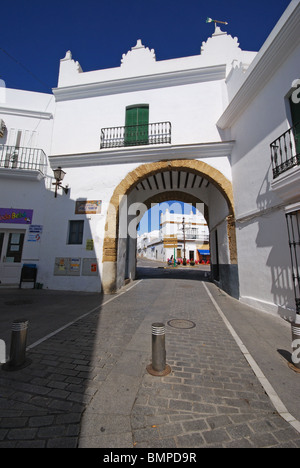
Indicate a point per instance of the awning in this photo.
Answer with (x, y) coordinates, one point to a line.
(204, 252)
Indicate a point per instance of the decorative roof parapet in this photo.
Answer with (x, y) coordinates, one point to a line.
(221, 44)
(139, 56)
(68, 68)
(68, 56)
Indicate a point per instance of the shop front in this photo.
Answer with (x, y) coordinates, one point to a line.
(12, 235)
(204, 256)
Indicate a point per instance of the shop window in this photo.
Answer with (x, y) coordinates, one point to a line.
(75, 232)
(1, 242)
(14, 247)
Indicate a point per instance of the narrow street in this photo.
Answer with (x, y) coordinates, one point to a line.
(88, 385)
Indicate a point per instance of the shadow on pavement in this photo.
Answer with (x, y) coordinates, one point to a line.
(41, 405)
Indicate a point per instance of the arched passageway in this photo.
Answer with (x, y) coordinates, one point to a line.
(189, 181)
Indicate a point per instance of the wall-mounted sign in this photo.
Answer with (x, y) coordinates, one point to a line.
(15, 216)
(88, 207)
(89, 267)
(170, 242)
(75, 265)
(34, 233)
(89, 244)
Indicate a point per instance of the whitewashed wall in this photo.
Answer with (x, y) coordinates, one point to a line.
(198, 95)
(32, 114)
(262, 238)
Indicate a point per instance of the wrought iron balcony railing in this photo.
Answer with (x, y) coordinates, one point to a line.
(189, 236)
(285, 151)
(136, 135)
(12, 157)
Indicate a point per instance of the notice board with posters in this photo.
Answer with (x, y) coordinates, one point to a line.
(89, 267)
(67, 266)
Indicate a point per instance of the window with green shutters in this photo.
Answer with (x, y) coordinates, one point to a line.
(136, 125)
(295, 111)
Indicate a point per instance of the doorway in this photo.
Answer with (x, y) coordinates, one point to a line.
(11, 249)
(293, 225)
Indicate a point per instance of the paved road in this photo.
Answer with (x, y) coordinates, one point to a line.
(87, 385)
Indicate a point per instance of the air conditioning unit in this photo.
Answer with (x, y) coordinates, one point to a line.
(2, 128)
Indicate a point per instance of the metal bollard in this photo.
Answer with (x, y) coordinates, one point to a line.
(17, 358)
(158, 366)
(295, 364)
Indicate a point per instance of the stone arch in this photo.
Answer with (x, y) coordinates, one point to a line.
(110, 245)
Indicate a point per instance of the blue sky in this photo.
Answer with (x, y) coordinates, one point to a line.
(35, 34)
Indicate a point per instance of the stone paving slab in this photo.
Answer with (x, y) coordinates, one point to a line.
(88, 386)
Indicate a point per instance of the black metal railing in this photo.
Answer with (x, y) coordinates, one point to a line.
(136, 135)
(12, 157)
(285, 151)
(192, 236)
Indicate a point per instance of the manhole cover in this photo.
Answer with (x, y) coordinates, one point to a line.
(18, 302)
(181, 323)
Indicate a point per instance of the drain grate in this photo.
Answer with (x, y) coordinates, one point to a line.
(181, 323)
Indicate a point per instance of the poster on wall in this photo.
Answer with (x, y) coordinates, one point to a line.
(90, 267)
(34, 233)
(67, 266)
(89, 244)
(16, 216)
(74, 265)
(88, 207)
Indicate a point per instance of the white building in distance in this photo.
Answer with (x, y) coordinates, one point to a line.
(181, 236)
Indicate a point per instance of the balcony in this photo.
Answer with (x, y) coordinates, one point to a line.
(285, 151)
(27, 162)
(285, 155)
(136, 135)
(193, 236)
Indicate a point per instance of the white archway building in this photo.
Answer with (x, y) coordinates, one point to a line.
(219, 128)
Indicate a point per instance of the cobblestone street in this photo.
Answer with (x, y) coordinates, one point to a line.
(87, 385)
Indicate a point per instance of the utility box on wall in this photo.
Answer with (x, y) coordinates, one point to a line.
(71, 266)
(67, 266)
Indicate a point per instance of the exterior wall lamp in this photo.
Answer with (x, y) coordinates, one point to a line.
(2, 128)
(59, 175)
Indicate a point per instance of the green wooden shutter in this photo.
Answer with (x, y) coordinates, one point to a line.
(295, 111)
(136, 125)
(143, 121)
(131, 116)
(130, 126)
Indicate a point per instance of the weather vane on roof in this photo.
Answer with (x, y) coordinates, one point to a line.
(210, 20)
